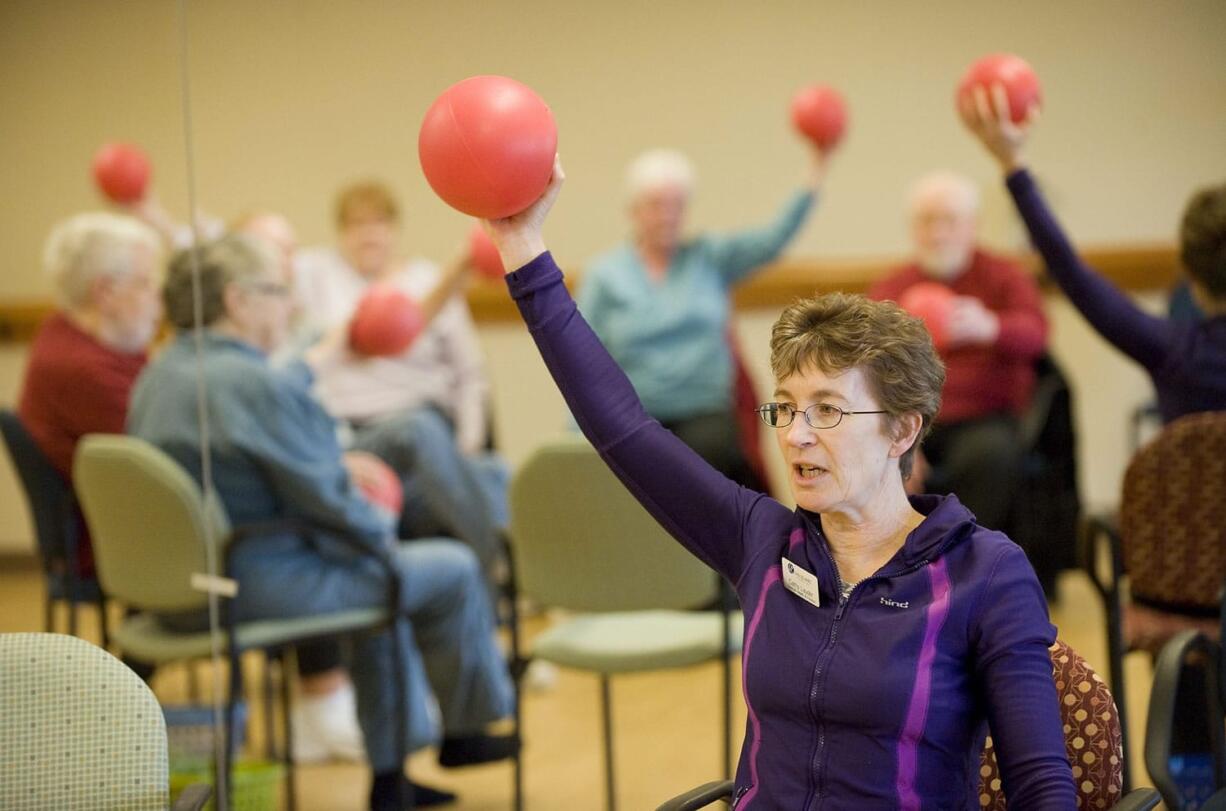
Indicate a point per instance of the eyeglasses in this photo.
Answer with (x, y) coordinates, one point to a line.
(818, 415)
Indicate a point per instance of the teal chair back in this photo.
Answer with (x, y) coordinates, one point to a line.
(582, 542)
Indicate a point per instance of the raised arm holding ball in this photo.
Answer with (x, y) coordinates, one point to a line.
(1185, 359)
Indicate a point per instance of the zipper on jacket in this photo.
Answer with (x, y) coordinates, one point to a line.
(816, 773)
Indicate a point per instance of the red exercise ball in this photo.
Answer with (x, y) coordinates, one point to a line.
(487, 146)
(1020, 81)
(483, 255)
(820, 114)
(121, 172)
(385, 322)
(932, 303)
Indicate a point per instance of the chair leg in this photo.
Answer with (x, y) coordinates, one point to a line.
(607, 718)
(516, 667)
(726, 627)
(1115, 652)
(49, 614)
(104, 624)
(271, 750)
(284, 670)
(229, 754)
(73, 607)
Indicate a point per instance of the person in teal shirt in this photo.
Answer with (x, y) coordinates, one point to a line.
(660, 303)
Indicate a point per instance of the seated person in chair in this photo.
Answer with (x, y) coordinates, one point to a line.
(106, 270)
(993, 336)
(275, 456)
(883, 631)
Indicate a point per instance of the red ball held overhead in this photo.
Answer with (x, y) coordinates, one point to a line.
(483, 255)
(932, 303)
(121, 172)
(820, 114)
(385, 323)
(487, 146)
(1020, 81)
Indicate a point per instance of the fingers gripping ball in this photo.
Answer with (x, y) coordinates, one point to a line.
(1019, 79)
(820, 114)
(487, 146)
(932, 303)
(385, 323)
(121, 172)
(483, 255)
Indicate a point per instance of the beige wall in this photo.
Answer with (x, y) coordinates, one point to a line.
(291, 99)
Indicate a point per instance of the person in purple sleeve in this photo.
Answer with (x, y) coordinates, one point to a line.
(885, 634)
(1186, 359)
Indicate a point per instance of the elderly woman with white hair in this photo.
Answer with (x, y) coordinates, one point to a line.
(660, 303)
(994, 333)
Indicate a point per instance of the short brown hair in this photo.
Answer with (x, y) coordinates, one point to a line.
(839, 331)
(368, 197)
(1202, 239)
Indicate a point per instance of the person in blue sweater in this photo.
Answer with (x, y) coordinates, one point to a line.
(885, 634)
(1186, 359)
(660, 302)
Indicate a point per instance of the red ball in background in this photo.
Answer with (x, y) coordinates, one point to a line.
(487, 146)
(386, 322)
(1020, 81)
(378, 482)
(820, 114)
(121, 172)
(932, 303)
(483, 254)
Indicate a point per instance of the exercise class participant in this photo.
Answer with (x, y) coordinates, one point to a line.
(883, 632)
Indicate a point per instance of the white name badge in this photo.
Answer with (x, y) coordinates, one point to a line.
(800, 582)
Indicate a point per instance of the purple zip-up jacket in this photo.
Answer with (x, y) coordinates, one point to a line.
(1185, 359)
(873, 703)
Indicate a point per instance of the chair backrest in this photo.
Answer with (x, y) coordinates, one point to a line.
(147, 518)
(1092, 735)
(50, 498)
(1185, 746)
(582, 542)
(78, 729)
(1173, 514)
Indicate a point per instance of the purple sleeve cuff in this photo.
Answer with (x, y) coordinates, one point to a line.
(540, 272)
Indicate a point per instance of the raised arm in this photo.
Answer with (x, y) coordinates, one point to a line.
(1143, 337)
(738, 255)
(705, 511)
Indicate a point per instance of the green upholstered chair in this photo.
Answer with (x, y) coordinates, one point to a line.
(582, 543)
(79, 730)
(147, 516)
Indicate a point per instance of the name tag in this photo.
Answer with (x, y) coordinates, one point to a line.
(800, 582)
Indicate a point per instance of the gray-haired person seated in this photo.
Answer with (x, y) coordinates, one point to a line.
(275, 455)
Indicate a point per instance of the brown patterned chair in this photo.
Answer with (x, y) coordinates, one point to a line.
(1093, 737)
(1169, 541)
(1091, 731)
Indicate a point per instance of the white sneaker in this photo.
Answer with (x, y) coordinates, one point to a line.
(326, 727)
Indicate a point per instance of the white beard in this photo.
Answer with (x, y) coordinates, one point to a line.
(944, 264)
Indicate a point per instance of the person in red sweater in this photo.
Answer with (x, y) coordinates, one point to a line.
(105, 269)
(995, 332)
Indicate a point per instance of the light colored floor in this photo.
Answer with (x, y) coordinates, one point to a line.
(666, 724)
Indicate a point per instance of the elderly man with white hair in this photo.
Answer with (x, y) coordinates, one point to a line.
(88, 353)
(660, 303)
(995, 331)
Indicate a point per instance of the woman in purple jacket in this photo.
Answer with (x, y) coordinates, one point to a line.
(1185, 359)
(883, 632)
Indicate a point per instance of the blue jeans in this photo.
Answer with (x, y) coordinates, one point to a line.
(455, 675)
(445, 492)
